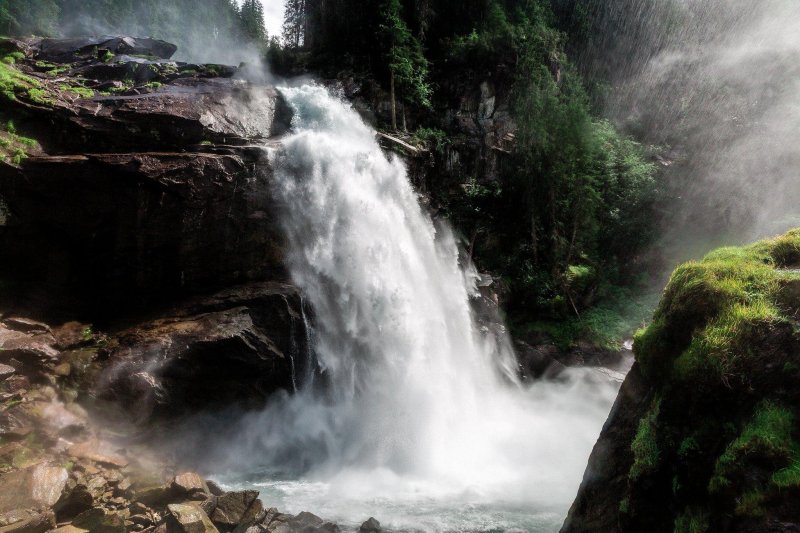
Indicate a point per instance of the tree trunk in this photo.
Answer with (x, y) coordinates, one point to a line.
(394, 103)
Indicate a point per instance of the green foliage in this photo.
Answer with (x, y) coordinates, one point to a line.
(646, 454)
(13, 82)
(406, 61)
(768, 437)
(78, 90)
(716, 308)
(692, 520)
(39, 17)
(751, 504)
(431, 139)
(252, 16)
(721, 354)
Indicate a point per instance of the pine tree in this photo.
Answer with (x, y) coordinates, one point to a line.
(408, 67)
(294, 22)
(252, 17)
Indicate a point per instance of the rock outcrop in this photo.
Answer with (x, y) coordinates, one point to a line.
(704, 434)
(147, 188)
(235, 348)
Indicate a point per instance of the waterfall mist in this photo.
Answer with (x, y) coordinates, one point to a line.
(716, 82)
(422, 409)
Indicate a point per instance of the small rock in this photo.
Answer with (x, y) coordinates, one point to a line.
(311, 523)
(158, 496)
(6, 372)
(98, 521)
(74, 502)
(190, 518)
(91, 450)
(214, 489)
(16, 434)
(33, 523)
(26, 325)
(141, 520)
(234, 508)
(189, 484)
(305, 519)
(63, 370)
(72, 335)
(124, 486)
(370, 526)
(70, 529)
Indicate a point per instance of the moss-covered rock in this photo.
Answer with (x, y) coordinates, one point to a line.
(711, 441)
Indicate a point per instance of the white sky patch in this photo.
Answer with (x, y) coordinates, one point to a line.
(273, 13)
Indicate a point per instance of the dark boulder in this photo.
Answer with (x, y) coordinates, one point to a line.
(235, 348)
(66, 50)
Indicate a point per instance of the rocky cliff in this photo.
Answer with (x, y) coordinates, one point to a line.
(704, 434)
(142, 280)
(148, 180)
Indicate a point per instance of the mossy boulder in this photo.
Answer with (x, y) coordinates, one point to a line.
(711, 439)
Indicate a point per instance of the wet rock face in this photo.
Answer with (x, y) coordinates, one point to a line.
(236, 348)
(137, 228)
(596, 507)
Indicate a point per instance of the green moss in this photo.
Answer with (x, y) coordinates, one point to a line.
(688, 447)
(154, 85)
(107, 56)
(734, 288)
(789, 476)
(13, 58)
(14, 147)
(40, 96)
(722, 351)
(751, 504)
(692, 520)
(82, 92)
(624, 506)
(767, 438)
(13, 82)
(646, 454)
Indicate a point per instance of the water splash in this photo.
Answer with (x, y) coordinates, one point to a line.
(421, 407)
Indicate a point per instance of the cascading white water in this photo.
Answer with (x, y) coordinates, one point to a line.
(425, 423)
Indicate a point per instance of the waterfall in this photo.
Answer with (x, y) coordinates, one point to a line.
(420, 403)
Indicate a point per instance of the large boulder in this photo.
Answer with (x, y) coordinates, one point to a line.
(66, 50)
(235, 348)
(39, 486)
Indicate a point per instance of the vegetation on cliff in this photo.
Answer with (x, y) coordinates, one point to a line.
(718, 448)
(566, 216)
